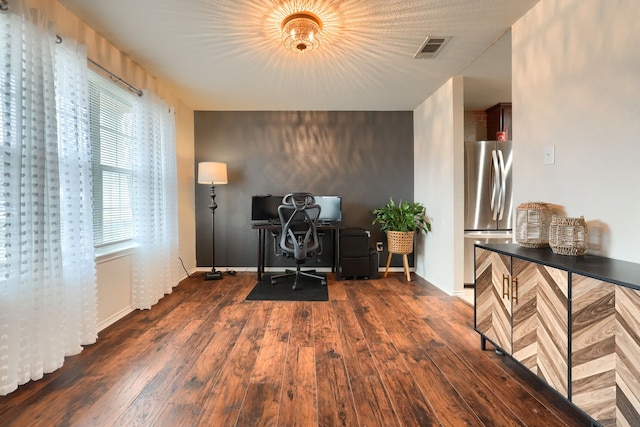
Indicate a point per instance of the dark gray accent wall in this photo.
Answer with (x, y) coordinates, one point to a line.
(365, 157)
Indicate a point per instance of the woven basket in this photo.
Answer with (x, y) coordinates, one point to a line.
(400, 242)
(568, 236)
(532, 224)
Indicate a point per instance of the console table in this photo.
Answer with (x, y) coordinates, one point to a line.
(572, 321)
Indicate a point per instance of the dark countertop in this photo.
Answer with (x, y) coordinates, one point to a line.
(615, 271)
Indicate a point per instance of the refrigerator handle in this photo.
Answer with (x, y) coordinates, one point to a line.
(495, 187)
(503, 185)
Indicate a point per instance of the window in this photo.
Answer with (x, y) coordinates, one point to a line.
(112, 137)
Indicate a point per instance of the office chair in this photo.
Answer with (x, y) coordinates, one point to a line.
(299, 236)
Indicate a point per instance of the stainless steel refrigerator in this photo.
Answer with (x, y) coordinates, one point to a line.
(488, 200)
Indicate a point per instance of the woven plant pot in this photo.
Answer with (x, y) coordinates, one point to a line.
(400, 242)
(532, 224)
(568, 236)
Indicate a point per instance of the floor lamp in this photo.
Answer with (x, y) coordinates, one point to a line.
(212, 173)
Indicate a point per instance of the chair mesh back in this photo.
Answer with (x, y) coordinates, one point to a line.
(299, 214)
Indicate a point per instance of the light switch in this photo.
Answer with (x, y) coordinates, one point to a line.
(549, 155)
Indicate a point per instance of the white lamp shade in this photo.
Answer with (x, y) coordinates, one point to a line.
(212, 173)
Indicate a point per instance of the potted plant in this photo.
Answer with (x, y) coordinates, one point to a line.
(401, 222)
(403, 217)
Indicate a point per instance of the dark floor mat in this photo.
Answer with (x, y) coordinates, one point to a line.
(308, 290)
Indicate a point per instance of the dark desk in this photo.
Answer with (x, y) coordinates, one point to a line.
(335, 239)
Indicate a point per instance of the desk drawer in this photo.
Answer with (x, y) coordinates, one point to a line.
(354, 267)
(354, 243)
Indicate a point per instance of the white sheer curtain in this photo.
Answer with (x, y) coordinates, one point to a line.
(155, 203)
(76, 189)
(47, 271)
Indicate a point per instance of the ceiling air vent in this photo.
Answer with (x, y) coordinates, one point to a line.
(432, 46)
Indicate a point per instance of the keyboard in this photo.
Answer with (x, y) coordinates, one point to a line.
(269, 222)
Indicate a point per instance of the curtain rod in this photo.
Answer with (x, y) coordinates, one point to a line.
(4, 5)
(111, 75)
(116, 78)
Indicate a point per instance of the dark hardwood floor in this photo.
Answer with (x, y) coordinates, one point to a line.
(378, 353)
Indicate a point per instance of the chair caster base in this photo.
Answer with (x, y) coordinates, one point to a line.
(307, 273)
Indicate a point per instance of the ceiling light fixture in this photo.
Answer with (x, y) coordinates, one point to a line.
(301, 32)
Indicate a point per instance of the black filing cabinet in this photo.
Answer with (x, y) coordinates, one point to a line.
(357, 258)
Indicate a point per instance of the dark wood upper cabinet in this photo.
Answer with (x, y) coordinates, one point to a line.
(499, 119)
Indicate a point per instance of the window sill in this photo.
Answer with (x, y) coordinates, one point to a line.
(112, 252)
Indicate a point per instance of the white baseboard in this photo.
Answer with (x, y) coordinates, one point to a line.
(308, 266)
(396, 270)
(114, 318)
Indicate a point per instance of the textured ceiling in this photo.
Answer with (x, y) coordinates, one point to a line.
(227, 54)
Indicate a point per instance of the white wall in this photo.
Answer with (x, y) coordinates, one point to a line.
(439, 181)
(186, 179)
(114, 289)
(576, 85)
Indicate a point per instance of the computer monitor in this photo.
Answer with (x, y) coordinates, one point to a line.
(265, 208)
(330, 208)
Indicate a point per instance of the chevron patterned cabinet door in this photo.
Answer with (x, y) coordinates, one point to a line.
(493, 308)
(605, 354)
(540, 321)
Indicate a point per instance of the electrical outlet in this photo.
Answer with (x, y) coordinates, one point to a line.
(379, 246)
